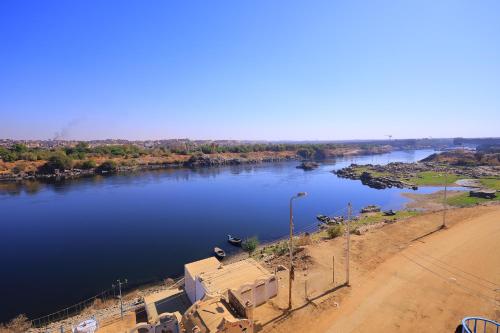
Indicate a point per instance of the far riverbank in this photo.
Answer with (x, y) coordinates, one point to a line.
(37, 170)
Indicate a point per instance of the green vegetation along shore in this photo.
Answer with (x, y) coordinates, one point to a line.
(18, 161)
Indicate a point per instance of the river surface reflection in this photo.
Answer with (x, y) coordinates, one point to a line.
(62, 242)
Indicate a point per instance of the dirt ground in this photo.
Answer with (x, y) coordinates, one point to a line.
(429, 202)
(409, 276)
(119, 326)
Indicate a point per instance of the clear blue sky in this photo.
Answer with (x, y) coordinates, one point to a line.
(249, 69)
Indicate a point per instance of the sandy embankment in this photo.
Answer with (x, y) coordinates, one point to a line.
(406, 277)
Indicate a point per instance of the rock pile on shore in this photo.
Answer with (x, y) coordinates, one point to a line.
(400, 174)
(371, 179)
(384, 182)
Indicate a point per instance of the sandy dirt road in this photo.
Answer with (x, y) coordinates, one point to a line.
(430, 285)
(423, 285)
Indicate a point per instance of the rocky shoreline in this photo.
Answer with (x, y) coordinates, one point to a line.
(195, 161)
(403, 175)
(370, 179)
(201, 161)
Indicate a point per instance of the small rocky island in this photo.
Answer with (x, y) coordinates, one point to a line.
(380, 177)
(307, 166)
(436, 170)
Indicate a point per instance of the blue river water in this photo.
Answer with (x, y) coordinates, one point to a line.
(63, 242)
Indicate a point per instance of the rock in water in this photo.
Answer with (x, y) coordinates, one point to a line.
(308, 165)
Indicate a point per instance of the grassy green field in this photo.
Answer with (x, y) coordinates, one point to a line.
(360, 169)
(379, 217)
(426, 178)
(429, 178)
(434, 178)
(493, 183)
(464, 200)
(372, 219)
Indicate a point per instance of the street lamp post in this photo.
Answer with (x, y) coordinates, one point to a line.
(348, 242)
(290, 245)
(444, 200)
(119, 284)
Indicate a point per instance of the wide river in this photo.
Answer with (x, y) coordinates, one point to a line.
(63, 242)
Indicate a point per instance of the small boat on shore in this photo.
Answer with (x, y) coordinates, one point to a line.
(234, 240)
(322, 218)
(389, 212)
(370, 209)
(219, 253)
(336, 220)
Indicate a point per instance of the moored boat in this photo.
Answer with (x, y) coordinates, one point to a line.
(234, 240)
(219, 253)
(370, 209)
(322, 218)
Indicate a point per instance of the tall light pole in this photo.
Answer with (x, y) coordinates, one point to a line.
(348, 245)
(444, 201)
(120, 283)
(290, 245)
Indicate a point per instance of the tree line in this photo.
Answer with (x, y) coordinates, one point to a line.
(82, 155)
(82, 150)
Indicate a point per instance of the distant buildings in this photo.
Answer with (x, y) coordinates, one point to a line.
(177, 144)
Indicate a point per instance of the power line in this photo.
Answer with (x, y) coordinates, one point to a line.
(423, 255)
(467, 289)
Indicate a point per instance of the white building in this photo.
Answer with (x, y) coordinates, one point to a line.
(193, 270)
(247, 279)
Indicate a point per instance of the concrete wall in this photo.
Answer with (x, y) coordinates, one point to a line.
(190, 286)
(168, 323)
(200, 290)
(258, 292)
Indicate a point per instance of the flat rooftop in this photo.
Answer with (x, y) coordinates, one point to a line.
(200, 266)
(233, 276)
(170, 300)
(212, 314)
(208, 316)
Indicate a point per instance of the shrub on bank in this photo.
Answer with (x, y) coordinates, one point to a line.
(334, 231)
(279, 249)
(250, 244)
(16, 325)
(108, 166)
(86, 165)
(58, 161)
(19, 167)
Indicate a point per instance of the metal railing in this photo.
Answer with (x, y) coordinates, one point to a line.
(53, 323)
(478, 324)
(73, 310)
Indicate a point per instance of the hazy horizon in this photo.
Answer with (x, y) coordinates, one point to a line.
(260, 140)
(271, 71)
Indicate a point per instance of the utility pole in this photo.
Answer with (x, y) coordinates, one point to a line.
(290, 248)
(291, 272)
(444, 201)
(119, 284)
(348, 234)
